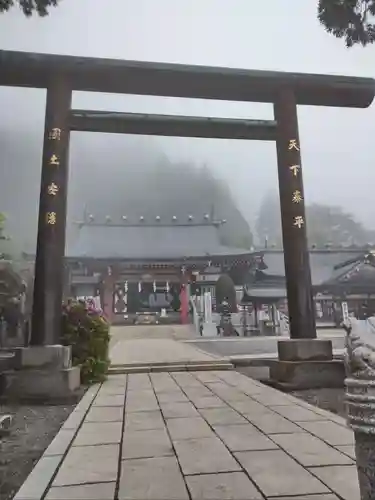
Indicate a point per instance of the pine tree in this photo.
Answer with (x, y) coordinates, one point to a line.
(353, 20)
(29, 7)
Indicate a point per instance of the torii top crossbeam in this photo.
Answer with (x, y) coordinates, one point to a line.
(24, 69)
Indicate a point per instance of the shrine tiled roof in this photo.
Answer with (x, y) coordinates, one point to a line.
(322, 263)
(149, 242)
(358, 271)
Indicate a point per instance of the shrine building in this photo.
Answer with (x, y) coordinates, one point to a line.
(143, 264)
(339, 275)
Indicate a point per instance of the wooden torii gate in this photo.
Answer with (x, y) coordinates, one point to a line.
(61, 75)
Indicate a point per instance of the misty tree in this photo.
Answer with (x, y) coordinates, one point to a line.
(29, 7)
(268, 222)
(333, 225)
(165, 188)
(139, 179)
(353, 20)
(326, 225)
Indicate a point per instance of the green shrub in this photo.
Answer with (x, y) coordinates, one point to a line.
(87, 331)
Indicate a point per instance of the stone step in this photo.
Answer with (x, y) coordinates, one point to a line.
(213, 359)
(266, 359)
(7, 360)
(170, 367)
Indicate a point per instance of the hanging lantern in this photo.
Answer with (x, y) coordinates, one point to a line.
(167, 288)
(154, 286)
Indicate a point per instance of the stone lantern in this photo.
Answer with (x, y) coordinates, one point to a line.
(360, 398)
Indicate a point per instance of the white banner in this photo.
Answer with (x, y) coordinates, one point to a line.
(345, 311)
(207, 307)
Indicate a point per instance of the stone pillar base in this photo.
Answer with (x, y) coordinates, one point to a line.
(305, 350)
(43, 372)
(306, 364)
(299, 375)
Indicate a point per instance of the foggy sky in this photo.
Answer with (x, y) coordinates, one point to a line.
(337, 144)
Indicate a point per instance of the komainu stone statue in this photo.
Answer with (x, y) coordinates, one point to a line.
(359, 354)
(360, 398)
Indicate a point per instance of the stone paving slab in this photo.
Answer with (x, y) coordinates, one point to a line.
(96, 433)
(223, 416)
(330, 432)
(146, 444)
(172, 397)
(297, 413)
(88, 464)
(152, 479)
(105, 414)
(97, 491)
(178, 410)
(247, 405)
(348, 449)
(342, 480)
(329, 496)
(196, 427)
(243, 438)
(310, 451)
(109, 400)
(227, 486)
(204, 456)
(272, 423)
(138, 382)
(277, 474)
(143, 421)
(198, 435)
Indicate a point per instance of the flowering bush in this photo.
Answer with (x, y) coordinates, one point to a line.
(85, 328)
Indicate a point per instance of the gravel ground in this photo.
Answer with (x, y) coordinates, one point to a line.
(32, 430)
(327, 399)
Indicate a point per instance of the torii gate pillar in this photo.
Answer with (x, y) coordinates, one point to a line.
(304, 360)
(293, 218)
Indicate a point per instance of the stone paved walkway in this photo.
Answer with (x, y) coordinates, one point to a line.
(149, 351)
(214, 435)
(133, 332)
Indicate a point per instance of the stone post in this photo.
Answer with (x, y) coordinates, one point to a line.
(360, 398)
